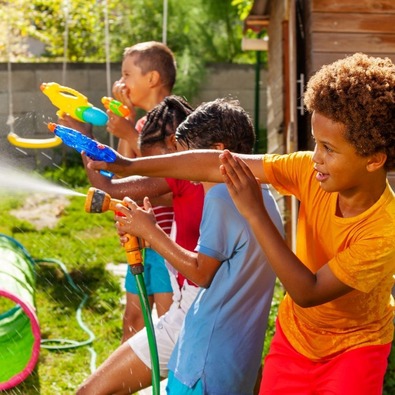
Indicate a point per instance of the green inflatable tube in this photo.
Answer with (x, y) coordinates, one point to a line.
(19, 328)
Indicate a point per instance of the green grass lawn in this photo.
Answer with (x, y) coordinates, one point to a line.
(84, 243)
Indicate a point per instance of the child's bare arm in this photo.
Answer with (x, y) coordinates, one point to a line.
(194, 165)
(198, 268)
(306, 288)
(124, 130)
(135, 187)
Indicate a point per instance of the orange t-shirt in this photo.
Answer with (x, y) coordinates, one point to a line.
(360, 252)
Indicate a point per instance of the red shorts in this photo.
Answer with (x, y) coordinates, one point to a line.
(356, 372)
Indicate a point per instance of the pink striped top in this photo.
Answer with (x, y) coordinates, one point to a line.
(164, 217)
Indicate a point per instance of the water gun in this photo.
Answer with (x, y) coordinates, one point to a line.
(69, 101)
(115, 106)
(80, 142)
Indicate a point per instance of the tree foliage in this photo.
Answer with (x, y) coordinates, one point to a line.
(198, 31)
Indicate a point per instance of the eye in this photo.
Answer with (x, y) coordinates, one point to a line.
(328, 149)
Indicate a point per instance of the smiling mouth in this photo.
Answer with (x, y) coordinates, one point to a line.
(321, 176)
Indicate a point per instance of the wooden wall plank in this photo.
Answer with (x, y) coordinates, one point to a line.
(352, 42)
(361, 23)
(365, 6)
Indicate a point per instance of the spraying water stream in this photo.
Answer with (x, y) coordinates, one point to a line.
(17, 181)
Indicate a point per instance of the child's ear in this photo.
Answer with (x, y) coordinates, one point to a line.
(154, 78)
(376, 161)
(172, 141)
(218, 146)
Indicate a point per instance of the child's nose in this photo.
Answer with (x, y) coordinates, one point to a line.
(317, 158)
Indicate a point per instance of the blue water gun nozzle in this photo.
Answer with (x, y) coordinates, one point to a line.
(82, 143)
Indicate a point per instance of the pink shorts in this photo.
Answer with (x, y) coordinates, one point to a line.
(357, 372)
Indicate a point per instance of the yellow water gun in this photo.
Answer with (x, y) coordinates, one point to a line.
(71, 102)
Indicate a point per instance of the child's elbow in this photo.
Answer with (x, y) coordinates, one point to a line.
(203, 281)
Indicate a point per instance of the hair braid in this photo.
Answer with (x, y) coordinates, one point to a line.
(163, 120)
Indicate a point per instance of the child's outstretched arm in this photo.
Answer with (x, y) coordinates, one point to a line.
(135, 187)
(194, 165)
(136, 221)
(306, 288)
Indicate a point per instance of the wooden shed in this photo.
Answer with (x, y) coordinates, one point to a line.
(303, 35)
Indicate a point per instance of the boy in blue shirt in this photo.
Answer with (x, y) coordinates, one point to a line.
(220, 345)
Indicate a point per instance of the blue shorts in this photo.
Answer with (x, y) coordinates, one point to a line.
(156, 276)
(175, 387)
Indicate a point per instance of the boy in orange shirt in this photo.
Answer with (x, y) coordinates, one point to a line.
(335, 324)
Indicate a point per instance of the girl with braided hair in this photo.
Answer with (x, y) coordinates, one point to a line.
(155, 138)
(128, 369)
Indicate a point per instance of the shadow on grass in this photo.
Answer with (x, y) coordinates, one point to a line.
(30, 386)
(67, 289)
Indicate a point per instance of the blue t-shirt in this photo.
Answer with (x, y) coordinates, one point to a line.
(223, 333)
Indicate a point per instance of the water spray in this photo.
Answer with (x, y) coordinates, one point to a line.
(98, 201)
(17, 180)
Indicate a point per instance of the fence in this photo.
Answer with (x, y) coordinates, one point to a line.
(32, 110)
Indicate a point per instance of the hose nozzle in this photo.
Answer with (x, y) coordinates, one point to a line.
(98, 201)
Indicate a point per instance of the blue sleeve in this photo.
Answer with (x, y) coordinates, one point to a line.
(221, 230)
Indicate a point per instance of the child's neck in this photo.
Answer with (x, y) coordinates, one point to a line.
(351, 206)
(154, 98)
(208, 185)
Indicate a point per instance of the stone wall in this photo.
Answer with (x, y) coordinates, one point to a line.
(32, 110)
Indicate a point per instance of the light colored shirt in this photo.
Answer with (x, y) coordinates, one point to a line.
(222, 338)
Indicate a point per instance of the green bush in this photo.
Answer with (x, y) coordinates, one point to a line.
(70, 172)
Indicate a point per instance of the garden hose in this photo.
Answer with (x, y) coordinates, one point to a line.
(67, 344)
(98, 201)
(145, 307)
(135, 253)
(20, 335)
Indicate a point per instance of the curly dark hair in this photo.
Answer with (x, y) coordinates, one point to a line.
(163, 120)
(219, 121)
(359, 92)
